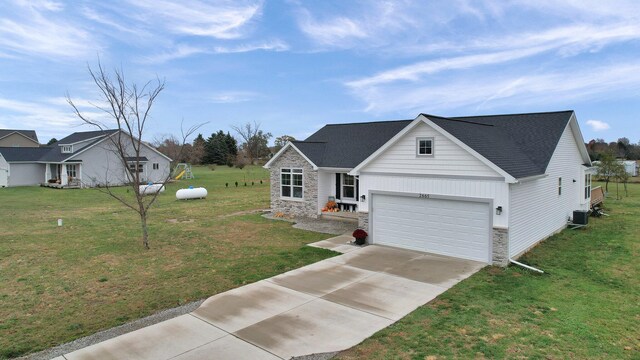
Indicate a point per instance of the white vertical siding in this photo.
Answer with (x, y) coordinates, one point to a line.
(448, 159)
(537, 211)
(325, 185)
(497, 190)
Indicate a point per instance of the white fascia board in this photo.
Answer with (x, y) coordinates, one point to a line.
(508, 178)
(284, 148)
(388, 144)
(335, 169)
(531, 178)
(577, 134)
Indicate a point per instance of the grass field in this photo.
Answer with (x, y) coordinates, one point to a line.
(587, 306)
(59, 284)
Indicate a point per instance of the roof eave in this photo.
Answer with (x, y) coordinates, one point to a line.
(284, 148)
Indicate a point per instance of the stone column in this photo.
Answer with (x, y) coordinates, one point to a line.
(500, 252)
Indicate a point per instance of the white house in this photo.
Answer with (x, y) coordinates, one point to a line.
(82, 159)
(486, 188)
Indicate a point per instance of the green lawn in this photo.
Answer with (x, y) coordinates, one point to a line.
(587, 306)
(59, 284)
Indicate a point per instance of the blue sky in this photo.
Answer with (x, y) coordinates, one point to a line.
(294, 66)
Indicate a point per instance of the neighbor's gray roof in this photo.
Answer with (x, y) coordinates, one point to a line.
(23, 153)
(31, 134)
(84, 135)
(520, 144)
(53, 152)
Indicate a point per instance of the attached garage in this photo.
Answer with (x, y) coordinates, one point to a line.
(447, 226)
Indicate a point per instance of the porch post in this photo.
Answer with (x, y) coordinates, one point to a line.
(47, 172)
(79, 174)
(64, 179)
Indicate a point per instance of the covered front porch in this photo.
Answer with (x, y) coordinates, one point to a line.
(338, 194)
(63, 175)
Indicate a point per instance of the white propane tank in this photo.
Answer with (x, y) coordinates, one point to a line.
(151, 188)
(191, 193)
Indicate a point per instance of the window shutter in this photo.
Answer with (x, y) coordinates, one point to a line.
(338, 183)
(357, 188)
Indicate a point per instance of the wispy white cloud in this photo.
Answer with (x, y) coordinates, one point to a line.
(181, 51)
(597, 125)
(229, 97)
(39, 29)
(273, 45)
(50, 117)
(333, 32)
(370, 25)
(221, 20)
(41, 4)
(482, 91)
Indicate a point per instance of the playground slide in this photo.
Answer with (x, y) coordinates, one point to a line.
(181, 174)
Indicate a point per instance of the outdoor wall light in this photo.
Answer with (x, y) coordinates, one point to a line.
(363, 198)
(499, 210)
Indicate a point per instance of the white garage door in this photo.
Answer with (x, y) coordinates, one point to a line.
(447, 227)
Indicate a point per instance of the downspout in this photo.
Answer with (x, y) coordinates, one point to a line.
(526, 266)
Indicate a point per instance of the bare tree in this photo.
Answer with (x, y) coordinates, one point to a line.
(130, 107)
(255, 140)
(171, 146)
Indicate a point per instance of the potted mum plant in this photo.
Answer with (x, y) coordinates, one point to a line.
(360, 236)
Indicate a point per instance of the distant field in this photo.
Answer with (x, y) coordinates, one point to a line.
(59, 284)
(587, 306)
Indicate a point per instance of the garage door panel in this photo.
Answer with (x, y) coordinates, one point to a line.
(448, 227)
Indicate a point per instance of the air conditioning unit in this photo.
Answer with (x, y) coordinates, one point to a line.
(581, 217)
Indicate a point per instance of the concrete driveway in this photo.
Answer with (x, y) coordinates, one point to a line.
(328, 306)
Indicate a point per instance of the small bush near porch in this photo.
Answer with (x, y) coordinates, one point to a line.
(59, 284)
(586, 307)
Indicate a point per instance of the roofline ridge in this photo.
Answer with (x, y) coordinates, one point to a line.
(512, 114)
(369, 122)
(456, 120)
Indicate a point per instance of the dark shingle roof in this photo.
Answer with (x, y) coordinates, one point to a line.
(23, 153)
(84, 135)
(347, 145)
(53, 153)
(520, 144)
(31, 134)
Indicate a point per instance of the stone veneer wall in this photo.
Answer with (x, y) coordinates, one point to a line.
(500, 256)
(363, 221)
(308, 205)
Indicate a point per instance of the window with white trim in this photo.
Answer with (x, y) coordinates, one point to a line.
(424, 146)
(156, 166)
(587, 186)
(72, 171)
(291, 181)
(348, 186)
(66, 149)
(559, 186)
(132, 167)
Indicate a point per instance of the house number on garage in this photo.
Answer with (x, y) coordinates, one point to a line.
(423, 196)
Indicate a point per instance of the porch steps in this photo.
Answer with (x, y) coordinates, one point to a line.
(341, 216)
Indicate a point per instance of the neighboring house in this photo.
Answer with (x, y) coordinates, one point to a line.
(486, 188)
(82, 159)
(4, 172)
(18, 138)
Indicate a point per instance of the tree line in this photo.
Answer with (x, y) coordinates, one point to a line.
(622, 149)
(222, 148)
